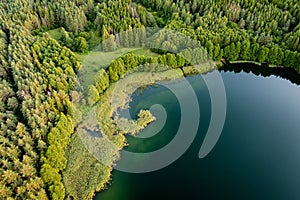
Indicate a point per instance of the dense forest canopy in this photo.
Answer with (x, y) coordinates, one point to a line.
(41, 45)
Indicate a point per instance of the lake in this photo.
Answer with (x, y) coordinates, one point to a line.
(256, 157)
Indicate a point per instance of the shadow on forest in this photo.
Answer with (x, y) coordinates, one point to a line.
(286, 73)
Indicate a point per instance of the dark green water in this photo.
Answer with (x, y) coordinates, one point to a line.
(256, 157)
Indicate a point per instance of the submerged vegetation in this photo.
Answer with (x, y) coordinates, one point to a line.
(44, 45)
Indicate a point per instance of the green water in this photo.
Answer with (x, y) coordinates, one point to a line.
(256, 157)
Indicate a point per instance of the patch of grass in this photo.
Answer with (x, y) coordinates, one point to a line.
(95, 60)
(55, 33)
(99, 59)
(104, 58)
(80, 56)
(144, 52)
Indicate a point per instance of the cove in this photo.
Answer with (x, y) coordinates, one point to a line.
(256, 157)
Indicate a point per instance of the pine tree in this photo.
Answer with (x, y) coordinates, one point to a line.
(217, 53)
(262, 54)
(255, 48)
(276, 55)
(171, 60)
(102, 81)
(57, 191)
(289, 58)
(93, 95)
(50, 174)
(108, 41)
(242, 23)
(210, 48)
(245, 50)
(56, 156)
(81, 44)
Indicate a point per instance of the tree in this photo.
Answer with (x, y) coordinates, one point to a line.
(56, 157)
(81, 44)
(108, 40)
(12, 103)
(171, 60)
(113, 73)
(50, 174)
(210, 48)
(180, 60)
(237, 50)
(57, 191)
(93, 95)
(130, 61)
(102, 81)
(120, 68)
(289, 58)
(218, 53)
(186, 54)
(262, 54)
(232, 51)
(55, 136)
(109, 43)
(66, 39)
(245, 50)
(145, 117)
(255, 48)
(227, 52)
(124, 39)
(242, 23)
(276, 55)
(28, 170)
(226, 40)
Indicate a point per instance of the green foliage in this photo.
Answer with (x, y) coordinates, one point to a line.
(109, 44)
(144, 118)
(259, 25)
(93, 95)
(102, 81)
(245, 50)
(262, 54)
(276, 56)
(56, 157)
(57, 191)
(83, 169)
(37, 73)
(50, 174)
(81, 44)
(116, 16)
(127, 63)
(55, 160)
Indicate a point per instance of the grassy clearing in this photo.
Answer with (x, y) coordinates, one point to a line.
(102, 59)
(55, 33)
(95, 60)
(144, 52)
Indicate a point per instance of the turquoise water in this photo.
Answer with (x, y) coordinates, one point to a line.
(256, 157)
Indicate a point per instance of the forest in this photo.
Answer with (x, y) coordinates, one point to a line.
(42, 44)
